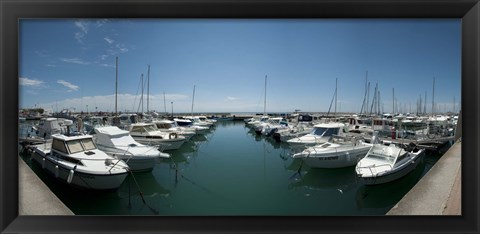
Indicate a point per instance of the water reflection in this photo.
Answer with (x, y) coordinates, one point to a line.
(342, 180)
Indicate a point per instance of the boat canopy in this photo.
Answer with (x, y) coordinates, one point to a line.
(112, 131)
(114, 137)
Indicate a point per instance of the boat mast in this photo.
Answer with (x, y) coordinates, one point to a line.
(141, 99)
(148, 89)
(193, 98)
(425, 104)
(116, 83)
(453, 104)
(433, 97)
(265, 97)
(336, 82)
(365, 95)
(164, 103)
(393, 89)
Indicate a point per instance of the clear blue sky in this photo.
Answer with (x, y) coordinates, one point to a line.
(69, 63)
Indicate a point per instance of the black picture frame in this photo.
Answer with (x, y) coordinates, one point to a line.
(11, 11)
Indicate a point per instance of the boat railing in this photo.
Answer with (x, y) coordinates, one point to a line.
(108, 161)
(376, 166)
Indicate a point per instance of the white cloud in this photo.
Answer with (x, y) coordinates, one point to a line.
(82, 24)
(74, 60)
(127, 102)
(42, 53)
(230, 99)
(106, 65)
(101, 22)
(30, 82)
(109, 40)
(122, 48)
(79, 37)
(69, 85)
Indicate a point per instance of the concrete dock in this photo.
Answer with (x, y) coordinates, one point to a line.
(34, 197)
(439, 191)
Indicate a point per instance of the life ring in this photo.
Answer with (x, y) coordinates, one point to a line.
(172, 135)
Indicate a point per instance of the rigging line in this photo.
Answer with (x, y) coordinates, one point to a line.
(136, 94)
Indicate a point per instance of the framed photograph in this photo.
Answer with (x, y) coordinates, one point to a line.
(222, 63)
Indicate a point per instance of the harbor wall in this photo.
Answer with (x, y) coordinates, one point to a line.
(34, 197)
(439, 191)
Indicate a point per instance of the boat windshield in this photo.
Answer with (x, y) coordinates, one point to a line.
(380, 154)
(88, 144)
(149, 128)
(146, 128)
(326, 132)
(74, 146)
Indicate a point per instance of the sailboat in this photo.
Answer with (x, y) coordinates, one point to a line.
(254, 123)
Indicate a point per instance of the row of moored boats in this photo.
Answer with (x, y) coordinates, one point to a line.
(101, 152)
(331, 144)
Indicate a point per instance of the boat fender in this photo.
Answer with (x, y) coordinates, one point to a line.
(172, 135)
(70, 175)
(56, 171)
(348, 156)
(43, 163)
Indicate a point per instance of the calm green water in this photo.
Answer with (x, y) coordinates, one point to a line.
(231, 171)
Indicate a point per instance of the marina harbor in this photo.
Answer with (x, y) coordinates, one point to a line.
(318, 165)
(243, 117)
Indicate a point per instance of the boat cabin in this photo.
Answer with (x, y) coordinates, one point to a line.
(63, 146)
(327, 130)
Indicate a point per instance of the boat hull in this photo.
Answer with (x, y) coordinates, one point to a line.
(107, 181)
(163, 144)
(135, 163)
(336, 159)
(392, 175)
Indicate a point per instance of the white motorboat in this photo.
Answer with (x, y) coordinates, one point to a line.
(271, 126)
(384, 163)
(94, 121)
(196, 121)
(77, 161)
(171, 126)
(188, 124)
(50, 126)
(119, 144)
(320, 133)
(205, 119)
(300, 126)
(257, 121)
(148, 134)
(337, 153)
